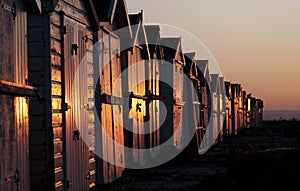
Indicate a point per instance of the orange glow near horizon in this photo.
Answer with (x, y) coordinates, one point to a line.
(256, 43)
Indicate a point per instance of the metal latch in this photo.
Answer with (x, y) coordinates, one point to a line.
(11, 9)
(65, 107)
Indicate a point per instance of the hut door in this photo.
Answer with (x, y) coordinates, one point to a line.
(76, 107)
(106, 112)
(117, 109)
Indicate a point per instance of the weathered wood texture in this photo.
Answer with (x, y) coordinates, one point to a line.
(136, 84)
(79, 94)
(172, 127)
(192, 109)
(62, 127)
(14, 146)
(111, 111)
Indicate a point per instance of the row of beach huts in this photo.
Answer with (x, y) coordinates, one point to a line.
(86, 90)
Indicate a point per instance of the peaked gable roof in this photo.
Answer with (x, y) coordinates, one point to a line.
(112, 11)
(204, 69)
(214, 85)
(228, 88)
(154, 40)
(189, 67)
(222, 85)
(171, 46)
(139, 36)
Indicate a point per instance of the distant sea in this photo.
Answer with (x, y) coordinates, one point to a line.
(281, 114)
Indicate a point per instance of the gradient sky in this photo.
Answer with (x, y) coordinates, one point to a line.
(255, 43)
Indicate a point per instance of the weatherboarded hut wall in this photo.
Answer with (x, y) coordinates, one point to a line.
(205, 80)
(228, 115)
(111, 112)
(196, 102)
(152, 86)
(172, 90)
(14, 128)
(61, 127)
(215, 96)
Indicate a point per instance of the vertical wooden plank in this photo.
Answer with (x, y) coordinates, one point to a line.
(14, 111)
(117, 109)
(77, 96)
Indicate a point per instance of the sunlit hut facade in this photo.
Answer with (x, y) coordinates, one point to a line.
(234, 119)
(205, 80)
(235, 105)
(171, 88)
(14, 124)
(214, 130)
(221, 108)
(152, 86)
(245, 108)
(135, 62)
(240, 107)
(113, 17)
(228, 114)
(192, 97)
(62, 126)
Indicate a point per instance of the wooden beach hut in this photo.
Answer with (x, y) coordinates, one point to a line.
(260, 111)
(228, 116)
(135, 59)
(113, 16)
(253, 112)
(240, 111)
(235, 108)
(14, 94)
(221, 108)
(171, 87)
(205, 80)
(192, 97)
(244, 101)
(62, 126)
(152, 88)
(215, 103)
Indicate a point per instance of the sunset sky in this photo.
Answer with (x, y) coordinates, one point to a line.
(255, 43)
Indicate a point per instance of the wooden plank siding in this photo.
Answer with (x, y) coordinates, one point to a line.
(152, 88)
(227, 121)
(215, 96)
(205, 80)
(14, 128)
(111, 111)
(172, 127)
(221, 108)
(63, 36)
(192, 110)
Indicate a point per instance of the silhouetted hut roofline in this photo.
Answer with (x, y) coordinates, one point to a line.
(228, 88)
(170, 46)
(139, 36)
(154, 40)
(214, 83)
(114, 12)
(222, 85)
(204, 69)
(189, 61)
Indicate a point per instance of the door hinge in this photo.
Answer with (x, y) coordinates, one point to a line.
(74, 49)
(65, 30)
(10, 8)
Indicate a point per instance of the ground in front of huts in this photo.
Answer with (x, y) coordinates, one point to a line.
(258, 159)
